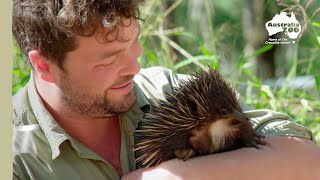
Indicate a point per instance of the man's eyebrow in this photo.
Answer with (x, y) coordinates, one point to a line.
(113, 53)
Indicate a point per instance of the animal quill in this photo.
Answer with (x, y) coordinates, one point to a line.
(203, 116)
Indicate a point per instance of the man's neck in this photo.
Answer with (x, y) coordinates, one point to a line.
(101, 135)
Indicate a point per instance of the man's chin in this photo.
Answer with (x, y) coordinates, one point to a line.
(124, 103)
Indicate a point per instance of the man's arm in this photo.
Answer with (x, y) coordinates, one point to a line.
(281, 158)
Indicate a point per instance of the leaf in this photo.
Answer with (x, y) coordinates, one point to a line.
(317, 78)
(17, 72)
(257, 52)
(316, 39)
(205, 51)
(254, 84)
(315, 24)
(25, 80)
(268, 91)
(305, 104)
(195, 58)
(252, 76)
(262, 50)
(242, 61)
(185, 34)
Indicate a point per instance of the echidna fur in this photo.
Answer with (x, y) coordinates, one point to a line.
(167, 126)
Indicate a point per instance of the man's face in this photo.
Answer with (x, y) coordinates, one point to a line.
(98, 81)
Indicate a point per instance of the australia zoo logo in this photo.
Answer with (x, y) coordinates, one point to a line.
(285, 24)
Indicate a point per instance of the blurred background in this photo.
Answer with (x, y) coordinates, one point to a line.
(188, 35)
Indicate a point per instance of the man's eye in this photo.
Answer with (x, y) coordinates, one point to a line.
(105, 65)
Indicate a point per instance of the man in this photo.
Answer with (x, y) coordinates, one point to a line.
(75, 118)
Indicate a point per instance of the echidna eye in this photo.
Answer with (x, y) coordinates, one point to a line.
(223, 111)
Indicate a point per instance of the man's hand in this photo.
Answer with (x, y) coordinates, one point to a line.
(281, 158)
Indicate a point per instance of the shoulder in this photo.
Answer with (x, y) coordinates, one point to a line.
(159, 76)
(25, 126)
(21, 110)
(30, 150)
(157, 81)
(27, 135)
(273, 123)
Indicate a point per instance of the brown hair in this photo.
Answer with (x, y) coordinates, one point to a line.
(50, 26)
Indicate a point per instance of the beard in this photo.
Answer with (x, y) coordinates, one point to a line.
(80, 101)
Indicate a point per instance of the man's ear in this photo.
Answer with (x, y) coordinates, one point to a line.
(41, 66)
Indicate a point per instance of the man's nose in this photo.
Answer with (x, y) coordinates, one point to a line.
(130, 61)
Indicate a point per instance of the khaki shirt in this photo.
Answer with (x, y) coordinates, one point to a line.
(43, 150)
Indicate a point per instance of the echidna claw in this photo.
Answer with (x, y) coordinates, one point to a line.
(184, 154)
(254, 144)
(257, 139)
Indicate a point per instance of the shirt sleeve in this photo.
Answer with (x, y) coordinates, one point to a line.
(272, 123)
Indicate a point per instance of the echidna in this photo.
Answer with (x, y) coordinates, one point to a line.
(202, 116)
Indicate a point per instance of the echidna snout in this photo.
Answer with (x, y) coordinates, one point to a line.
(222, 134)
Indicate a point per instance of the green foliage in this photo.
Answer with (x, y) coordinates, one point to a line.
(225, 42)
(170, 38)
(21, 70)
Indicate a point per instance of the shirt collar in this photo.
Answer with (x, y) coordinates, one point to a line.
(141, 106)
(51, 129)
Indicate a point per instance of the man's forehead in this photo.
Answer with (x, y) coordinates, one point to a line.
(123, 31)
(102, 45)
